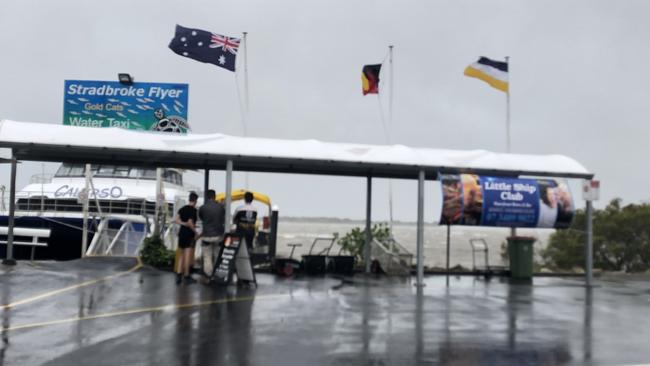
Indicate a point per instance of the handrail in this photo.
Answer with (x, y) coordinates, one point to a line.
(94, 242)
(109, 250)
(392, 261)
(106, 240)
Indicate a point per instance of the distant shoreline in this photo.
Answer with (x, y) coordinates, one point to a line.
(335, 220)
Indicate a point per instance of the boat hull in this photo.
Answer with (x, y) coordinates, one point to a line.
(65, 238)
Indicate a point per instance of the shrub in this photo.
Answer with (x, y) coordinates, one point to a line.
(621, 240)
(154, 253)
(354, 241)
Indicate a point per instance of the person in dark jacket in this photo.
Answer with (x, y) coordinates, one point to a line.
(212, 214)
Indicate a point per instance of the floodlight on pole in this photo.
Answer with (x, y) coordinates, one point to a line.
(125, 79)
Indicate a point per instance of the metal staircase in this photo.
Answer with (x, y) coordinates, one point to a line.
(392, 256)
(125, 241)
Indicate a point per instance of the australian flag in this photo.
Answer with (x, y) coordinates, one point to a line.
(205, 46)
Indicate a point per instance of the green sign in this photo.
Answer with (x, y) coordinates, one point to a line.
(141, 106)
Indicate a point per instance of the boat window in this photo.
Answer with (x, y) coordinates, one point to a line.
(70, 170)
(148, 173)
(172, 177)
(63, 170)
(76, 171)
(121, 171)
(105, 171)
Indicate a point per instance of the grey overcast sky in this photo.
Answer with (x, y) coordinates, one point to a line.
(579, 80)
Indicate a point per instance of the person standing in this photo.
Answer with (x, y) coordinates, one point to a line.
(186, 218)
(212, 213)
(245, 218)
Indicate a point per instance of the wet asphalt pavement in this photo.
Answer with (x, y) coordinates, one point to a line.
(73, 313)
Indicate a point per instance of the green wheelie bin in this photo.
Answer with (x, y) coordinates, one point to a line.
(520, 253)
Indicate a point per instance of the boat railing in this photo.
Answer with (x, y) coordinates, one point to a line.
(38, 202)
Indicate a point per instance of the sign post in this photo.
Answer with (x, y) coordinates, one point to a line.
(590, 192)
(84, 198)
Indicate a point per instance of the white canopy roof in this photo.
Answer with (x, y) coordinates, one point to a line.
(55, 142)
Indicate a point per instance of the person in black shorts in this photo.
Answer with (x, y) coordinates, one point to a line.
(186, 218)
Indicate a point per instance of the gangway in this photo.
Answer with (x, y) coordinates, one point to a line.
(125, 241)
(393, 258)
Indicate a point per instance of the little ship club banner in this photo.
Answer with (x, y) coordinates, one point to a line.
(140, 106)
(475, 200)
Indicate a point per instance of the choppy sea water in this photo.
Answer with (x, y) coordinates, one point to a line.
(435, 240)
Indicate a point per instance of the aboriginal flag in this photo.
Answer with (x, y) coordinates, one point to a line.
(205, 46)
(370, 79)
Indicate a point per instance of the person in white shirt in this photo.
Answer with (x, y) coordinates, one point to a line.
(245, 218)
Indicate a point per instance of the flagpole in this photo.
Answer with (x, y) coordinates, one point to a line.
(508, 108)
(513, 230)
(390, 122)
(390, 95)
(246, 97)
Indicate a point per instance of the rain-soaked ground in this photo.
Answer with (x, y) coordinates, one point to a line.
(109, 311)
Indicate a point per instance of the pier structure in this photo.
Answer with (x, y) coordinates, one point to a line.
(57, 143)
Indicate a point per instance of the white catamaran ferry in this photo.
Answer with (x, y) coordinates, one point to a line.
(121, 209)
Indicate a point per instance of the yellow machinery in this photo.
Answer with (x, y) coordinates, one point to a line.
(239, 195)
(266, 237)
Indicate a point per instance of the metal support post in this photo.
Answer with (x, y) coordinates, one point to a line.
(9, 259)
(448, 250)
(228, 195)
(86, 204)
(420, 231)
(366, 247)
(206, 185)
(157, 212)
(589, 249)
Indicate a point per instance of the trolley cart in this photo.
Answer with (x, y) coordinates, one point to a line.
(341, 264)
(316, 264)
(287, 266)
